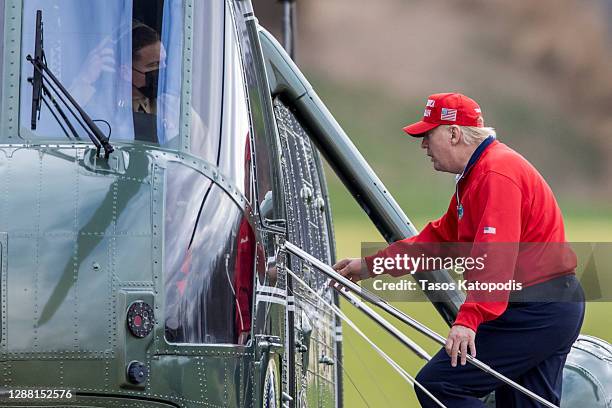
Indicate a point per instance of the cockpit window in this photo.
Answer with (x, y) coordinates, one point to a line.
(121, 60)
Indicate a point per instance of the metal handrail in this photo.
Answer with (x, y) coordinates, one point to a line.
(370, 297)
(403, 373)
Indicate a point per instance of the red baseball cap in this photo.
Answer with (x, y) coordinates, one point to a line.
(447, 109)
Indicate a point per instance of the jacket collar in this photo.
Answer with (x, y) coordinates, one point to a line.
(475, 156)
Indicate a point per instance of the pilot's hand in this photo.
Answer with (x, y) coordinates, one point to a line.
(100, 59)
(354, 269)
(459, 339)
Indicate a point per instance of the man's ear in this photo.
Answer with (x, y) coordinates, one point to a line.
(456, 134)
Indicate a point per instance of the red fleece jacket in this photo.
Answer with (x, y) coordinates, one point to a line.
(504, 200)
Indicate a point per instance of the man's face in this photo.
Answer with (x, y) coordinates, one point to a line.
(437, 143)
(150, 58)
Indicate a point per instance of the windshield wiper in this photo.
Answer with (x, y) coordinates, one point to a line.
(37, 80)
(43, 74)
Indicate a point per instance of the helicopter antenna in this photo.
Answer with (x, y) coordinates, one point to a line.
(289, 26)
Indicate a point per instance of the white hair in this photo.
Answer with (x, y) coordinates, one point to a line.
(475, 135)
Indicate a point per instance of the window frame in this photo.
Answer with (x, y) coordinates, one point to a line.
(11, 72)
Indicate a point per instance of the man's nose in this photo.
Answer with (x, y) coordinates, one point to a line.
(424, 143)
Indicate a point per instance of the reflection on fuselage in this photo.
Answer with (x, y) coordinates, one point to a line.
(209, 260)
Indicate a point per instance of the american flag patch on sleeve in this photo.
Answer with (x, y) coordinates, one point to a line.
(489, 230)
(448, 114)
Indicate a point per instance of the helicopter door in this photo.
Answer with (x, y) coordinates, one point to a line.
(308, 227)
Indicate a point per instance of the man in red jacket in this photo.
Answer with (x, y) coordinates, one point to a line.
(501, 206)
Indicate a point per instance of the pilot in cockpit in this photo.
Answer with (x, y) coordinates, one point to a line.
(142, 76)
(148, 56)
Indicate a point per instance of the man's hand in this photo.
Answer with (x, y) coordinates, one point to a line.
(459, 339)
(354, 269)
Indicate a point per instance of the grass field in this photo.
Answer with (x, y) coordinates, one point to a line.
(373, 122)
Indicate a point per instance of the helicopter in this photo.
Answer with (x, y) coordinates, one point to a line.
(160, 163)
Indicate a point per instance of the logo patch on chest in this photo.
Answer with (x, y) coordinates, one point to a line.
(489, 230)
